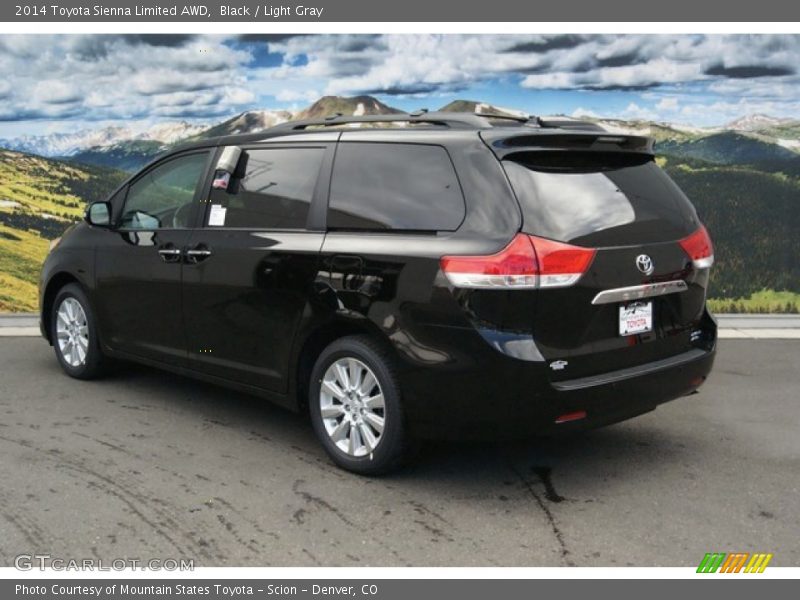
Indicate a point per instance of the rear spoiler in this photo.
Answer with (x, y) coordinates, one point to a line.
(502, 143)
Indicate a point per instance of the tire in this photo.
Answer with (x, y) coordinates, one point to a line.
(87, 361)
(359, 410)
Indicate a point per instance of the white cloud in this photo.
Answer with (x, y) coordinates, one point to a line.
(97, 77)
(634, 111)
(581, 113)
(134, 77)
(297, 96)
(55, 91)
(668, 104)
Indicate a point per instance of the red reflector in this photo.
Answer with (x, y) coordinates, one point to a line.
(527, 262)
(571, 416)
(699, 248)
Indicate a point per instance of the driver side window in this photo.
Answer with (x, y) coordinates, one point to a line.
(162, 197)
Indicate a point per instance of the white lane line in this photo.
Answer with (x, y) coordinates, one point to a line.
(19, 331)
(732, 334)
(760, 334)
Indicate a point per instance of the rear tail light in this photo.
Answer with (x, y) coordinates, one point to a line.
(528, 262)
(514, 266)
(699, 248)
(561, 265)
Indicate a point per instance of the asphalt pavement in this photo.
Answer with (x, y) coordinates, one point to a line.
(146, 464)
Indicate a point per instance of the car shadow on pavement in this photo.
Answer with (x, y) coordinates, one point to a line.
(642, 444)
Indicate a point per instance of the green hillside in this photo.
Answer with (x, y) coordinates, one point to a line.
(39, 198)
(128, 156)
(753, 218)
(731, 148)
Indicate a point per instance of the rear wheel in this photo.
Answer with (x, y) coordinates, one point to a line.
(74, 334)
(355, 406)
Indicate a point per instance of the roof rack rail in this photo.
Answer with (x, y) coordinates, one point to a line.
(508, 117)
(453, 120)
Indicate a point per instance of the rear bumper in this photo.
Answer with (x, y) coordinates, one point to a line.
(620, 395)
(501, 397)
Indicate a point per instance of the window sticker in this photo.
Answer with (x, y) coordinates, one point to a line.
(217, 216)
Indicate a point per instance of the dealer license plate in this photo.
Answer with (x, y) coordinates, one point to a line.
(635, 317)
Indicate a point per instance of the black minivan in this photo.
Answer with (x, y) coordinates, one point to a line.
(432, 275)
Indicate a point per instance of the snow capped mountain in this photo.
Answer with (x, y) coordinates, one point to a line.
(624, 127)
(70, 144)
(251, 121)
(755, 122)
(131, 145)
(355, 105)
(172, 132)
(254, 121)
(790, 144)
(65, 144)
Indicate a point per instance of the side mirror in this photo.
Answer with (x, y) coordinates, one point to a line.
(98, 214)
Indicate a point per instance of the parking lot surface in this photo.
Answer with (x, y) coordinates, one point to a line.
(147, 464)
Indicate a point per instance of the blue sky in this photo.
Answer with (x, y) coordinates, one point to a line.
(68, 83)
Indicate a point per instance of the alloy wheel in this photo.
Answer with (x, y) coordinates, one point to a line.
(72, 332)
(352, 407)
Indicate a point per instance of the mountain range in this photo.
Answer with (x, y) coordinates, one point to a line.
(772, 143)
(70, 144)
(767, 143)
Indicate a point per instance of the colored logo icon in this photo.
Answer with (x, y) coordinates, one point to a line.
(734, 562)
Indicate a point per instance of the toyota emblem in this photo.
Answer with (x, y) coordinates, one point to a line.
(645, 264)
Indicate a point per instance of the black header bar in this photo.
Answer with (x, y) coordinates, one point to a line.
(465, 11)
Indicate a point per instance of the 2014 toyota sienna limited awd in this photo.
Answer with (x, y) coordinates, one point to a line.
(442, 275)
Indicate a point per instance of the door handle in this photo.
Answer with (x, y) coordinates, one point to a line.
(169, 254)
(198, 253)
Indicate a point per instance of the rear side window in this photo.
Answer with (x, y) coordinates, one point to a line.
(274, 190)
(598, 199)
(394, 186)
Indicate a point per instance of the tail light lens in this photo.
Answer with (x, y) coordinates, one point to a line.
(528, 262)
(699, 248)
(515, 266)
(561, 265)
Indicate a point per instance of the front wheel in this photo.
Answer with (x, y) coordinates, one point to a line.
(356, 407)
(74, 334)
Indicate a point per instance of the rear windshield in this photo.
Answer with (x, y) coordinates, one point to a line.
(596, 199)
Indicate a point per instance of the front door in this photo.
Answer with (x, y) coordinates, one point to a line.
(251, 268)
(139, 265)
